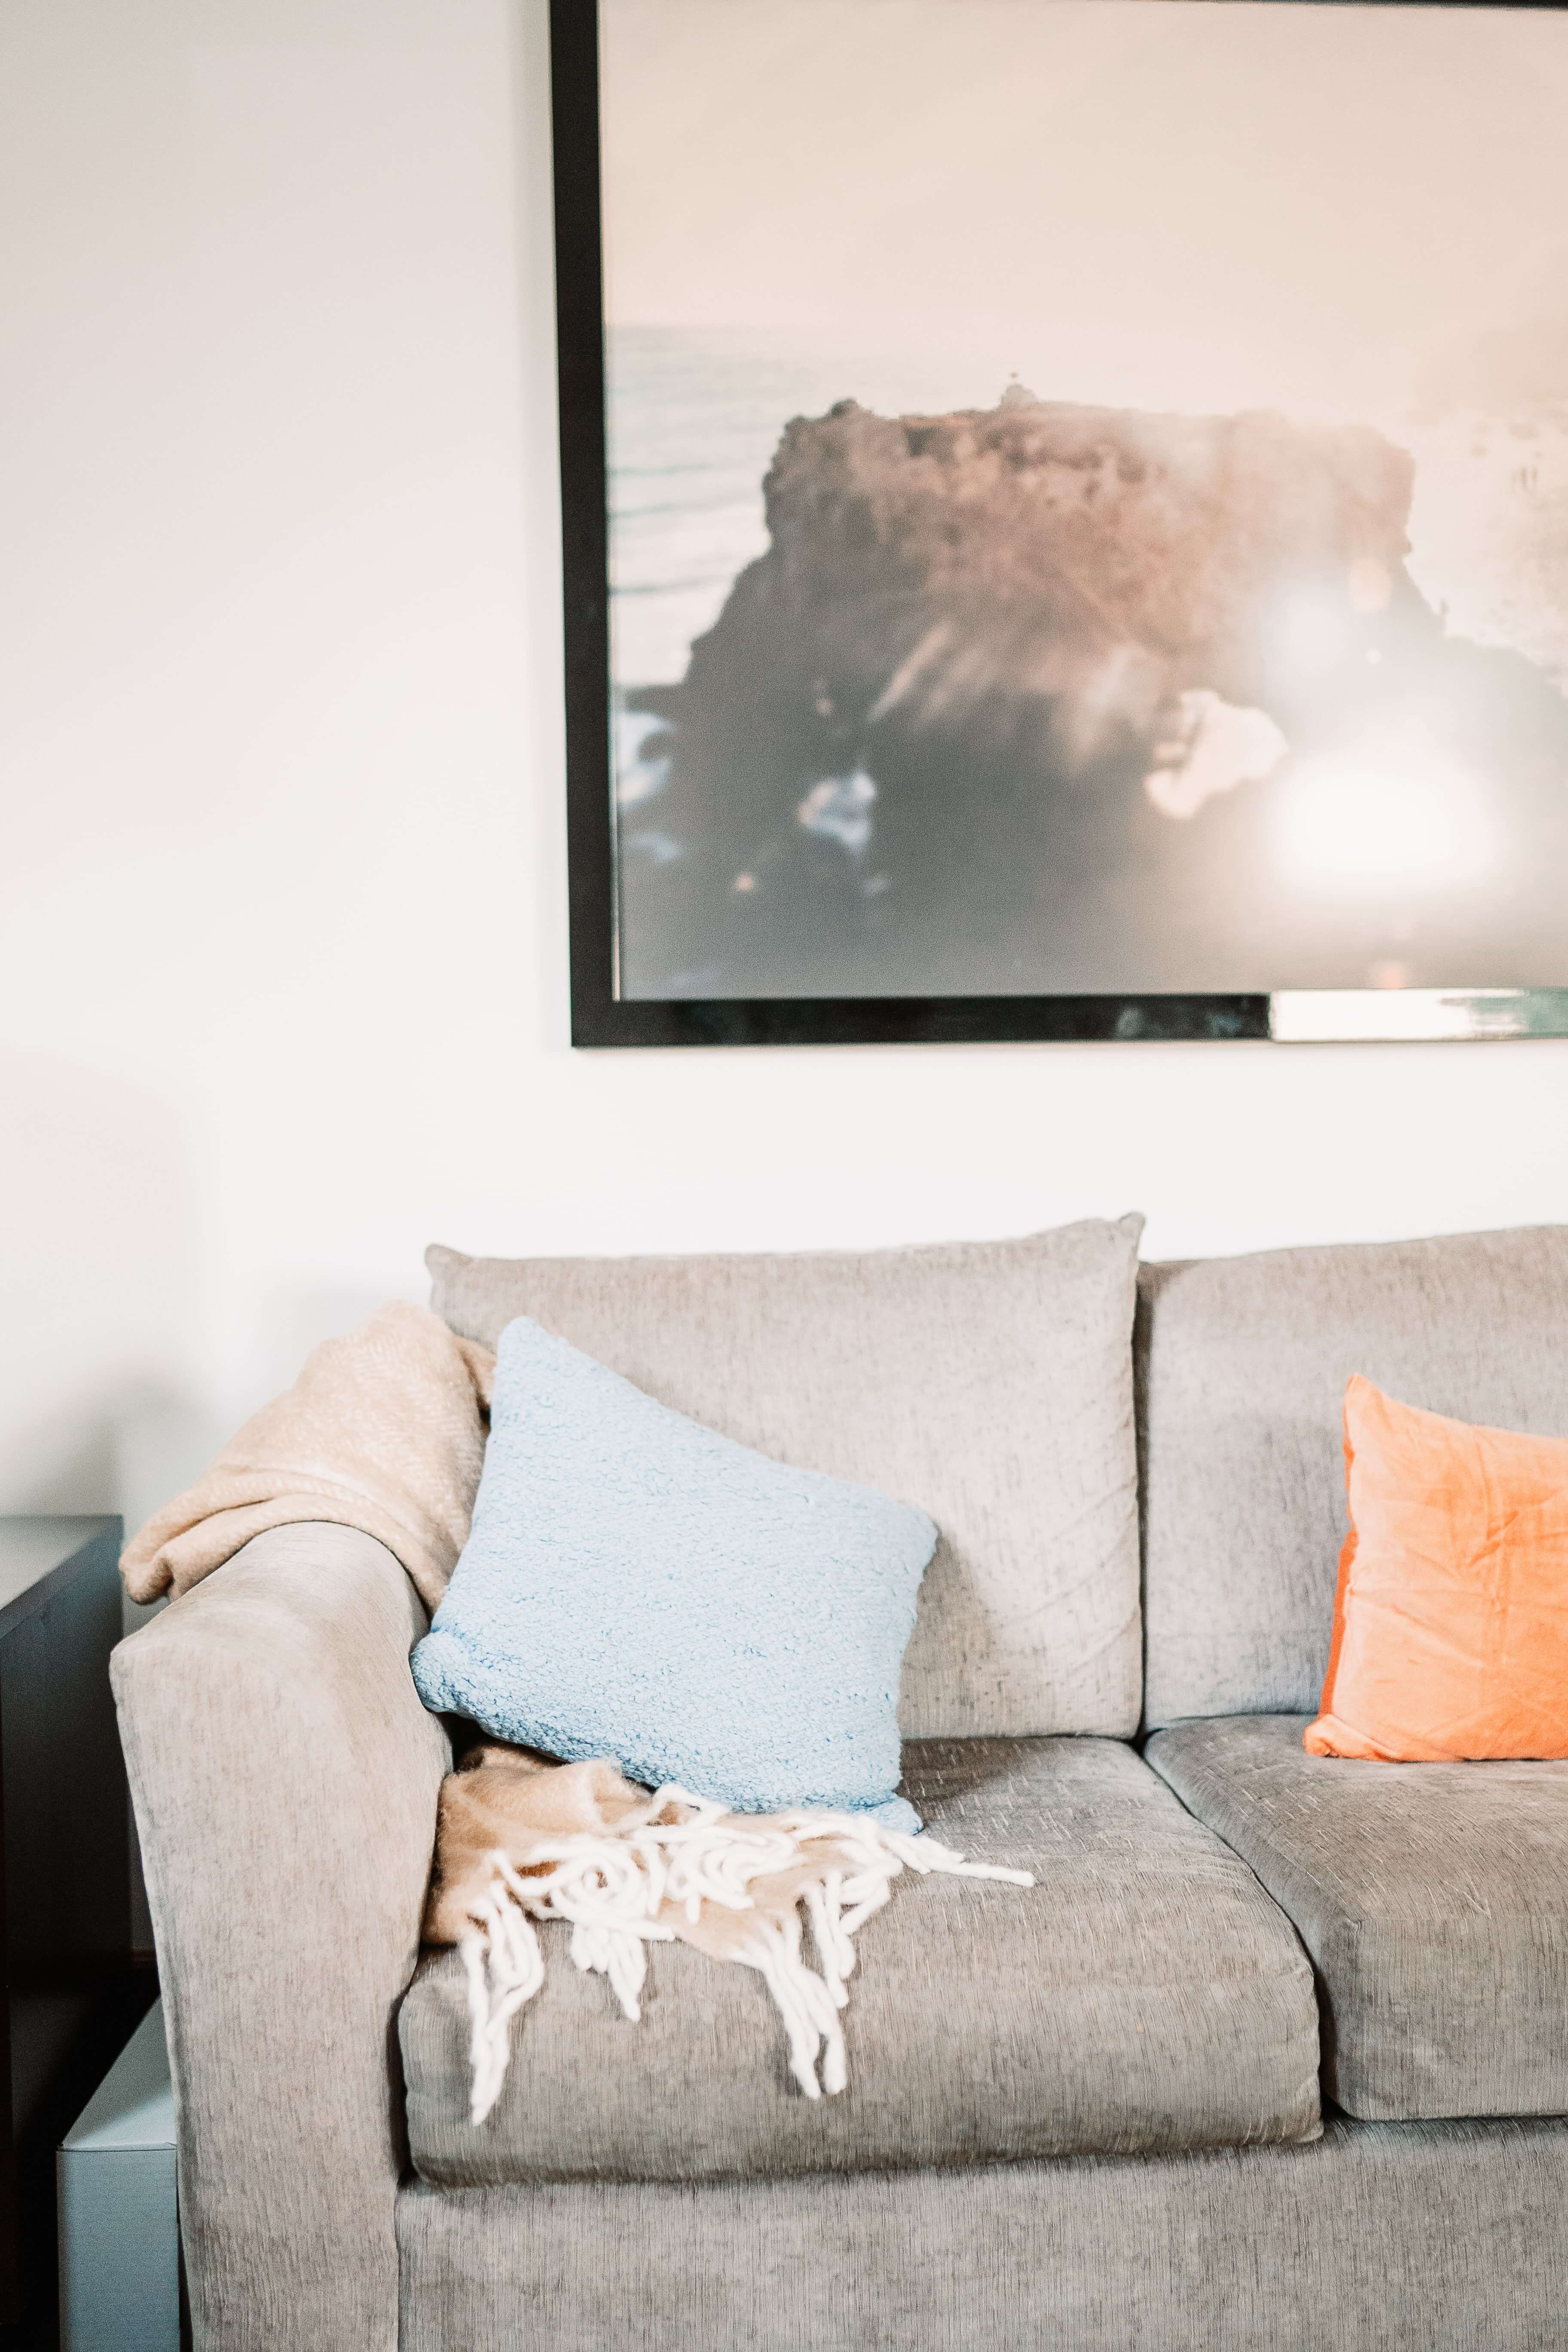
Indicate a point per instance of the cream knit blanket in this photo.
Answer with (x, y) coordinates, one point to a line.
(384, 1430)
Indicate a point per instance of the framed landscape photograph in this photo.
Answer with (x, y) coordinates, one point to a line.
(1066, 517)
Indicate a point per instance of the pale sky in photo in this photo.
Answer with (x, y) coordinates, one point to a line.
(1175, 203)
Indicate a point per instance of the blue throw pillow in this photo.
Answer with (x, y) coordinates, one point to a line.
(636, 1586)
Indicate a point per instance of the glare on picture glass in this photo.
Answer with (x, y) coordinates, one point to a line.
(1384, 819)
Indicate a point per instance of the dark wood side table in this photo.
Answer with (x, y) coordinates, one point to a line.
(70, 1993)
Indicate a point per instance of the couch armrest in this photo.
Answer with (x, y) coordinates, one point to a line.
(285, 1779)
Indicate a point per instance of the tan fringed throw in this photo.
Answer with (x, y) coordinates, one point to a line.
(383, 1431)
(520, 1839)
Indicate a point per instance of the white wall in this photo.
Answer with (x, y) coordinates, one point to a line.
(282, 932)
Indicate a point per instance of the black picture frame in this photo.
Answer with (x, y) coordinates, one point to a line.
(600, 1016)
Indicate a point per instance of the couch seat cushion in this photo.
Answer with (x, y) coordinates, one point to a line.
(1433, 1898)
(1145, 1994)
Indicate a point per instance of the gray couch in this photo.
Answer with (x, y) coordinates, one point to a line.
(1275, 2053)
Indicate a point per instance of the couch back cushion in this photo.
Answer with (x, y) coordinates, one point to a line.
(1241, 1366)
(990, 1382)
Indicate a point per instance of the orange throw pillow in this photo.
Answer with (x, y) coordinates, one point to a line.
(1451, 1623)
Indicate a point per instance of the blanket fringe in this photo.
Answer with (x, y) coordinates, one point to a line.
(689, 1852)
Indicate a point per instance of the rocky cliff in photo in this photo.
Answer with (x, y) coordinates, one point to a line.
(1048, 578)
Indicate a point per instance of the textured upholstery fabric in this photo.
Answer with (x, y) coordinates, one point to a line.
(1143, 1994)
(1433, 1898)
(989, 1382)
(285, 1779)
(637, 1587)
(1242, 1365)
(1380, 2238)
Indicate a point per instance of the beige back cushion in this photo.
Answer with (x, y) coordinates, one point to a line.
(1242, 1365)
(988, 1382)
